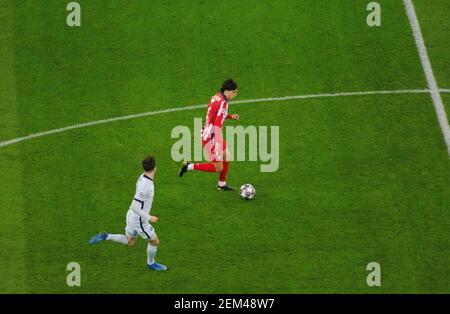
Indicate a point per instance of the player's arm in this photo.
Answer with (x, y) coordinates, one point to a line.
(233, 116)
(136, 207)
(220, 116)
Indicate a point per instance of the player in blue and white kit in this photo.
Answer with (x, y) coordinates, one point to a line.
(138, 217)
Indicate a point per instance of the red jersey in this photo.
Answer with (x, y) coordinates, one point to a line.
(215, 117)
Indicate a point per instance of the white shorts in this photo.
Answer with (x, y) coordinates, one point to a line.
(136, 226)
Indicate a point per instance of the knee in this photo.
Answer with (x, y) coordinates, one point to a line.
(154, 242)
(219, 167)
(226, 156)
(131, 241)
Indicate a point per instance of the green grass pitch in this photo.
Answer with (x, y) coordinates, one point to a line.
(361, 179)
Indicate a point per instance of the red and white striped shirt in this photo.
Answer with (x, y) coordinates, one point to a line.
(215, 116)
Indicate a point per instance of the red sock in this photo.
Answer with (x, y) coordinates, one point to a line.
(205, 167)
(223, 174)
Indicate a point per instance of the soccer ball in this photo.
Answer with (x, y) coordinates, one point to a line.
(247, 191)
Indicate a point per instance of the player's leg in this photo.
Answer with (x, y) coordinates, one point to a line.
(131, 241)
(118, 238)
(215, 163)
(129, 238)
(216, 166)
(126, 239)
(206, 166)
(132, 224)
(222, 184)
(224, 171)
(152, 247)
(147, 232)
(98, 237)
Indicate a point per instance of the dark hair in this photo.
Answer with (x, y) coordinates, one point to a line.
(228, 85)
(149, 163)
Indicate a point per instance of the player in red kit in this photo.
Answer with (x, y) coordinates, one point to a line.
(212, 141)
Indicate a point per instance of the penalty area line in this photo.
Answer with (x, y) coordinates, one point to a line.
(170, 110)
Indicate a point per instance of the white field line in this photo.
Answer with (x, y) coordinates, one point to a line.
(170, 110)
(432, 84)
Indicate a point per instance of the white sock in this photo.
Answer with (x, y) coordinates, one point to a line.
(191, 167)
(222, 183)
(151, 253)
(119, 238)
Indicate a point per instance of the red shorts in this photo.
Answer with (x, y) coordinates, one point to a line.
(214, 155)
